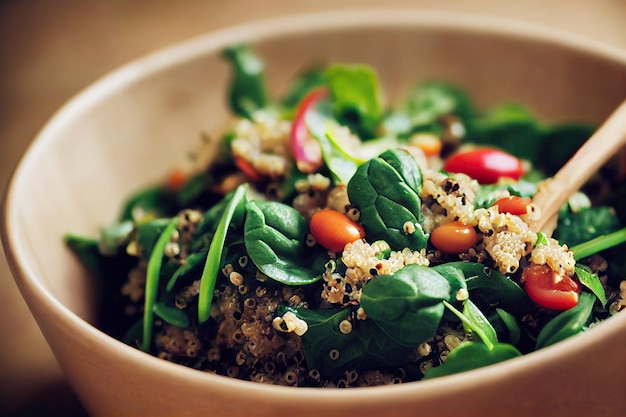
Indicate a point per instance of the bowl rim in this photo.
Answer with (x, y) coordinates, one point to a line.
(253, 32)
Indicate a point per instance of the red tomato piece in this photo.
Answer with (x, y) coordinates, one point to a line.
(334, 230)
(453, 238)
(513, 204)
(549, 289)
(307, 151)
(177, 179)
(486, 165)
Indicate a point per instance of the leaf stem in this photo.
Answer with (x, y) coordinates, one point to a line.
(152, 283)
(598, 244)
(214, 257)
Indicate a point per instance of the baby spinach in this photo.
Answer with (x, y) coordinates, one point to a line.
(153, 275)
(275, 235)
(507, 324)
(586, 224)
(567, 323)
(591, 281)
(305, 82)
(172, 315)
(425, 105)
(214, 256)
(114, 236)
(472, 355)
(407, 305)
(148, 234)
(354, 92)
(488, 285)
(193, 262)
(247, 91)
(510, 127)
(386, 191)
(156, 201)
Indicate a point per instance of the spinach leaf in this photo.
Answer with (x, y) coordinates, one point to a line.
(505, 322)
(275, 235)
(560, 142)
(567, 323)
(114, 236)
(247, 91)
(510, 127)
(488, 285)
(471, 355)
(192, 263)
(586, 224)
(455, 278)
(591, 281)
(474, 321)
(214, 257)
(425, 106)
(172, 315)
(155, 201)
(323, 336)
(153, 275)
(148, 234)
(305, 82)
(407, 305)
(354, 92)
(388, 199)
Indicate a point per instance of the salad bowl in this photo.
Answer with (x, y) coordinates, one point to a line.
(129, 128)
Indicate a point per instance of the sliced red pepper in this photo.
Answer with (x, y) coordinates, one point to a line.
(307, 151)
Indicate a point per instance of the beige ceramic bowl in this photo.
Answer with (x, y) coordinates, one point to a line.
(132, 126)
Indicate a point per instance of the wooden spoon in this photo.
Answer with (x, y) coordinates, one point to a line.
(601, 146)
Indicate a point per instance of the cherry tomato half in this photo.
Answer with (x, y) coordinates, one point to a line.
(486, 165)
(307, 151)
(513, 204)
(453, 238)
(177, 179)
(548, 289)
(334, 230)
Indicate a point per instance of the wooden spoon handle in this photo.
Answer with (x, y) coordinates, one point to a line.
(601, 146)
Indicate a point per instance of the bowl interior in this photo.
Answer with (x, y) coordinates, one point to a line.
(133, 126)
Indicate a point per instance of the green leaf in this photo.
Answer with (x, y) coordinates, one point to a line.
(490, 286)
(172, 315)
(510, 127)
(471, 355)
(153, 275)
(155, 202)
(214, 256)
(560, 142)
(591, 281)
(275, 235)
(387, 200)
(567, 323)
(598, 244)
(585, 225)
(148, 234)
(305, 82)
(354, 92)
(114, 236)
(425, 106)
(479, 324)
(407, 305)
(247, 91)
(192, 263)
(510, 324)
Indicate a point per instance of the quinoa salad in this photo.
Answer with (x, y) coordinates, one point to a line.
(324, 239)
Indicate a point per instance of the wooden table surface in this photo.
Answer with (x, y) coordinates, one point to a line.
(51, 49)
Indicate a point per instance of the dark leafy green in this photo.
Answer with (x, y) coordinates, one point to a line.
(472, 355)
(275, 239)
(407, 305)
(591, 281)
(172, 315)
(214, 257)
(387, 200)
(586, 224)
(354, 92)
(568, 323)
(247, 92)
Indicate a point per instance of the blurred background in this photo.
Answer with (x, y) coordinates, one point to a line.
(52, 49)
